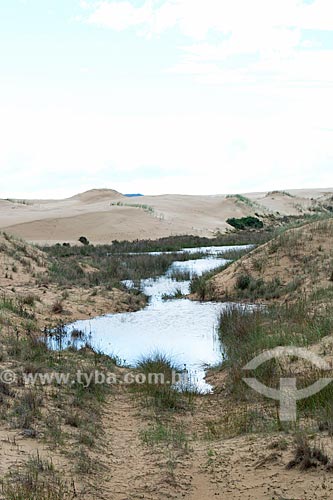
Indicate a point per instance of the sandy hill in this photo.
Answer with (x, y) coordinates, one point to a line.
(298, 262)
(98, 195)
(104, 215)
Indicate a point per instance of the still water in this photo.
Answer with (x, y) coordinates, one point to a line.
(181, 328)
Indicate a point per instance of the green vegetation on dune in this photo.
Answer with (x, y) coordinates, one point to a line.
(243, 199)
(251, 288)
(246, 223)
(164, 396)
(247, 332)
(146, 208)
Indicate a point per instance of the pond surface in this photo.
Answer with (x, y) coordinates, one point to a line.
(180, 328)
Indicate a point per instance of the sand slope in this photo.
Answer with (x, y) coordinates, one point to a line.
(300, 259)
(103, 215)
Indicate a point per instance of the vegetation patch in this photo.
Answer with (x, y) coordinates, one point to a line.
(167, 435)
(246, 332)
(36, 480)
(307, 456)
(163, 393)
(256, 288)
(246, 223)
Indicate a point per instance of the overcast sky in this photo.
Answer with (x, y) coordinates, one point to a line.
(165, 96)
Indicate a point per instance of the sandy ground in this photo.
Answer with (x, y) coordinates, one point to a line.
(250, 467)
(96, 215)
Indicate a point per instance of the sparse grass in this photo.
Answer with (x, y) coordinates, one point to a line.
(146, 208)
(246, 333)
(280, 444)
(284, 193)
(241, 420)
(177, 294)
(57, 307)
(73, 419)
(254, 288)
(158, 390)
(243, 199)
(167, 435)
(200, 285)
(236, 253)
(84, 463)
(179, 275)
(15, 306)
(36, 480)
(54, 434)
(28, 300)
(45, 413)
(307, 456)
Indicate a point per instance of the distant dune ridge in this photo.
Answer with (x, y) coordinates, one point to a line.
(104, 215)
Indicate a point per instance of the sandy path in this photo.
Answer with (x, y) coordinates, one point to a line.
(132, 469)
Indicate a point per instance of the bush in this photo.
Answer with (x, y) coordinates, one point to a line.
(307, 456)
(57, 307)
(246, 223)
(161, 394)
(243, 282)
(84, 240)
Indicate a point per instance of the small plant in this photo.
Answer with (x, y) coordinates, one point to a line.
(307, 456)
(281, 445)
(73, 419)
(243, 281)
(180, 275)
(28, 300)
(159, 391)
(178, 294)
(84, 464)
(174, 436)
(26, 409)
(57, 307)
(83, 240)
(36, 480)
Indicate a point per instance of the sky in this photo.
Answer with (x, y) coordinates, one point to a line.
(165, 96)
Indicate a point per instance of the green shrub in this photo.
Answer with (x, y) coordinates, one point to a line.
(246, 223)
(243, 281)
(83, 240)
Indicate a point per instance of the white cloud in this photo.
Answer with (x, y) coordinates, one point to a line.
(195, 18)
(120, 15)
(268, 30)
(266, 131)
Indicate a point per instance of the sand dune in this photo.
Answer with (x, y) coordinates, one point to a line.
(103, 215)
